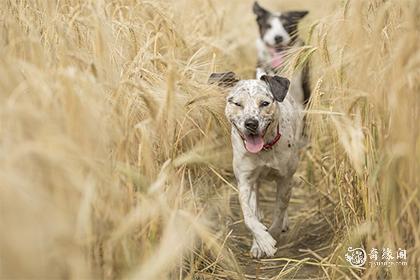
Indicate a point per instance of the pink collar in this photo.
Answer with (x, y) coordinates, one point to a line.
(270, 145)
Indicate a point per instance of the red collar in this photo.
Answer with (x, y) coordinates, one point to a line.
(270, 145)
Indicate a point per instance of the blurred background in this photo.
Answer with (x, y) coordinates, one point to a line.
(115, 155)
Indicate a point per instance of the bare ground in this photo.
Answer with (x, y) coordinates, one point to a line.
(307, 242)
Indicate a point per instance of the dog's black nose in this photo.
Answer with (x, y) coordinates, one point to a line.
(278, 39)
(251, 124)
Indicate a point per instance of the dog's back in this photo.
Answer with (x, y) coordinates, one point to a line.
(306, 84)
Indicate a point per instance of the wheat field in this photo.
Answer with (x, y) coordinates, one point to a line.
(115, 155)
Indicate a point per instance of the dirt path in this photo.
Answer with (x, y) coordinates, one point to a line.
(308, 239)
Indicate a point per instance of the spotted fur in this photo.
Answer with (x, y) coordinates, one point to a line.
(277, 164)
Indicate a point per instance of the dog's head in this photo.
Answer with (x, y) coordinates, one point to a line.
(251, 105)
(277, 30)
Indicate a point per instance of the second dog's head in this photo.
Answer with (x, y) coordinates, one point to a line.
(277, 30)
(251, 105)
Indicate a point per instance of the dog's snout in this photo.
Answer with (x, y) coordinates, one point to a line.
(278, 39)
(251, 124)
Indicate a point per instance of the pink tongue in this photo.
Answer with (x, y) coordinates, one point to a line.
(254, 144)
(277, 58)
(276, 61)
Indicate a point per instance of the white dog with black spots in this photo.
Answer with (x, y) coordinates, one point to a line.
(266, 131)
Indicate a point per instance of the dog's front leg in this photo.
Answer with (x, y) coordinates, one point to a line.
(280, 220)
(256, 251)
(248, 199)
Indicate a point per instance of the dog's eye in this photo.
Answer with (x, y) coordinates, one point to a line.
(230, 100)
(264, 104)
(268, 26)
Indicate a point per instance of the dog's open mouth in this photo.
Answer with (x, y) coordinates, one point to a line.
(276, 47)
(254, 143)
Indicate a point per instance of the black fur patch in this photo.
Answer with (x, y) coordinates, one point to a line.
(224, 79)
(262, 18)
(290, 21)
(278, 86)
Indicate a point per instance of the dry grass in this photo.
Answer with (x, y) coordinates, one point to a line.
(115, 154)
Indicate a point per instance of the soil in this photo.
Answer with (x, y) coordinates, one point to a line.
(308, 239)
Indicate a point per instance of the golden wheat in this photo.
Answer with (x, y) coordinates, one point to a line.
(115, 153)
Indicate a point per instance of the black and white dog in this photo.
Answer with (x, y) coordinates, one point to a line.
(278, 32)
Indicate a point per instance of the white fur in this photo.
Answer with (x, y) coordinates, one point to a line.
(260, 72)
(262, 51)
(277, 29)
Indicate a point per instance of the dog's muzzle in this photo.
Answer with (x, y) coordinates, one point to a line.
(254, 141)
(252, 138)
(251, 126)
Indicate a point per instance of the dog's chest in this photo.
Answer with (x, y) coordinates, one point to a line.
(280, 161)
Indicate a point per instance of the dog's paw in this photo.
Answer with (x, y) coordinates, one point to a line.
(266, 243)
(256, 251)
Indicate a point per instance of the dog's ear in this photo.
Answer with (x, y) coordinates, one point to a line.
(258, 10)
(278, 86)
(295, 16)
(224, 79)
